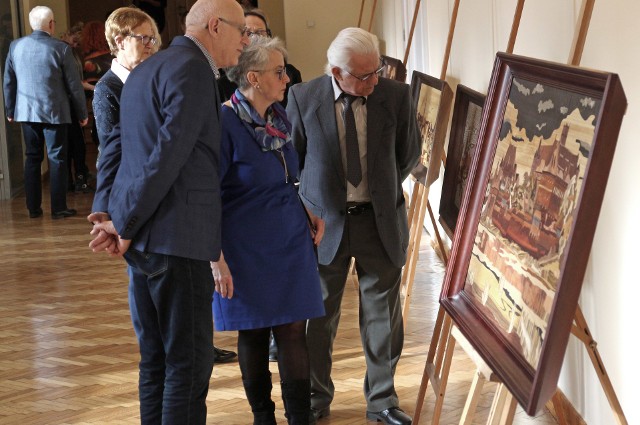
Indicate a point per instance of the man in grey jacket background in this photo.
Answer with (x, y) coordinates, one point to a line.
(41, 84)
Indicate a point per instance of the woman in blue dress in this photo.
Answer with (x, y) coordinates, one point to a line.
(267, 278)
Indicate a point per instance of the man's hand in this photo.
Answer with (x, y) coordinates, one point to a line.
(106, 238)
(84, 122)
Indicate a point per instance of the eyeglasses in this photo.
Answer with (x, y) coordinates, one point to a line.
(377, 72)
(243, 30)
(144, 39)
(281, 72)
(260, 32)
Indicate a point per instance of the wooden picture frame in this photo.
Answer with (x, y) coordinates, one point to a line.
(528, 216)
(394, 69)
(465, 126)
(432, 100)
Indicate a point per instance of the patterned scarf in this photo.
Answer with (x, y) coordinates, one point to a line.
(271, 134)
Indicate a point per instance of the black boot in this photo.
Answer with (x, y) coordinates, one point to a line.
(273, 349)
(296, 396)
(258, 392)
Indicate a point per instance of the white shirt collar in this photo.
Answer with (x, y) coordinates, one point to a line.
(337, 91)
(120, 71)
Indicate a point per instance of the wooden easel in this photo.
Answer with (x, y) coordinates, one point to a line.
(440, 354)
(580, 329)
(420, 195)
(373, 11)
(503, 406)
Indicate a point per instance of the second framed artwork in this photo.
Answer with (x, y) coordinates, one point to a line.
(465, 125)
(394, 69)
(528, 217)
(432, 98)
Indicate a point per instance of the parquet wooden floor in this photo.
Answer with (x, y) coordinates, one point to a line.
(68, 354)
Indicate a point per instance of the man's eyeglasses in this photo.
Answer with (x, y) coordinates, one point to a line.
(377, 72)
(281, 72)
(144, 39)
(243, 30)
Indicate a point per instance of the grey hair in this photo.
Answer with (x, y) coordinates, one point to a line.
(39, 17)
(350, 41)
(254, 57)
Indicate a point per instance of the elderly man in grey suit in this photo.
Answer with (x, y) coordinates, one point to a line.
(41, 84)
(357, 139)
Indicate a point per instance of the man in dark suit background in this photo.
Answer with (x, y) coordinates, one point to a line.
(40, 78)
(164, 203)
(362, 203)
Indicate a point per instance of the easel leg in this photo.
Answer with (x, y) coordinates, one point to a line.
(472, 399)
(503, 408)
(437, 366)
(582, 332)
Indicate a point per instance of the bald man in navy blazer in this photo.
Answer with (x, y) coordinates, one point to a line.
(160, 170)
(366, 218)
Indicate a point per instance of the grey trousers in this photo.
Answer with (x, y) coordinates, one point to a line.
(381, 328)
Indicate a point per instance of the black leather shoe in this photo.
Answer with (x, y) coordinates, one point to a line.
(223, 356)
(64, 213)
(391, 416)
(36, 213)
(316, 414)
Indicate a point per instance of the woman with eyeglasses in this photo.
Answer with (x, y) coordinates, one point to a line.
(267, 278)
(256, 22)
(132, 36)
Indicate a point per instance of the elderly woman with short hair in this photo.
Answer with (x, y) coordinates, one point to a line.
(267, 279)
(132, 36)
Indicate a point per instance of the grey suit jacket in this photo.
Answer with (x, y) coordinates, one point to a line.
(393, 149)
(41, 80)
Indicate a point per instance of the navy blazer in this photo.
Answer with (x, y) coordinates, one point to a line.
(393, 149)
(166, 193)
(41, 79)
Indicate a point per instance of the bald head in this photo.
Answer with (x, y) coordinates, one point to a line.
(203, 10)
(219, 27)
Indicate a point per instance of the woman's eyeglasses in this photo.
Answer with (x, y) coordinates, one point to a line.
(144, 39)
(260, 32)
(281, 72)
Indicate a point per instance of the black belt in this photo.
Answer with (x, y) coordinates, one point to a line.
(357, 209)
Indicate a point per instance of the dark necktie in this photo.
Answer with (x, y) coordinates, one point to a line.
(354, 172)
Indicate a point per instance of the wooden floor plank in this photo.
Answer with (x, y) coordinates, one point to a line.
(68, 354)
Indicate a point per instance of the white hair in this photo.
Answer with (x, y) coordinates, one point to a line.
(350, 41)
(39, 17)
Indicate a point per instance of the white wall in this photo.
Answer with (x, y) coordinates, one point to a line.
(310, 28)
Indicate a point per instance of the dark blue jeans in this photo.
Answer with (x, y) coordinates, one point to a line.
(170, 301)
(55, 136)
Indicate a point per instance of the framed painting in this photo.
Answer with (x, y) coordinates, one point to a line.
(465, 125)
(394, 69)
(432, 99)
(528, 215)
